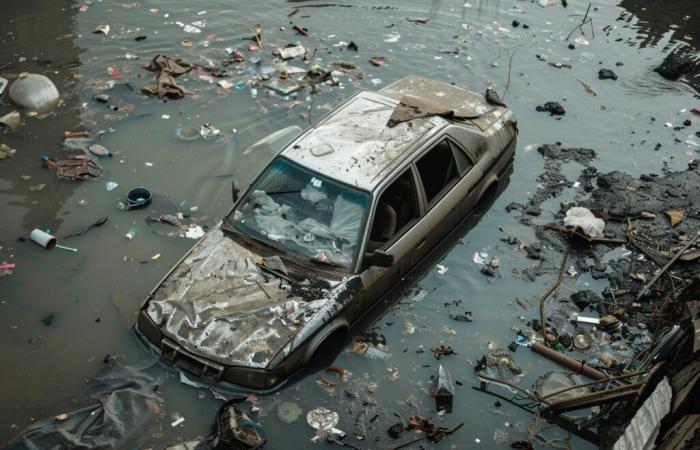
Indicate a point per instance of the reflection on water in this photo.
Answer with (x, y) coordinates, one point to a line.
(657, 24)
(90, 293)
(656, 21)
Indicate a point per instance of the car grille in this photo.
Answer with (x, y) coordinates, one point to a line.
(195, 365)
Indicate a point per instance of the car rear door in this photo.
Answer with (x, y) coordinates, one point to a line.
(449, 180)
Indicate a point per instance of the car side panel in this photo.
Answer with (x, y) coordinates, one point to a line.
(444, 215)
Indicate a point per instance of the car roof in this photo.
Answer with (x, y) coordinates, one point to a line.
(354, 145)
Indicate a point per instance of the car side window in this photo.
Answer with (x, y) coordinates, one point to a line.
(464, 162)
(396, 208)
(437, 169)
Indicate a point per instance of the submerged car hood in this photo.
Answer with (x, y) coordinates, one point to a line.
(217, 303)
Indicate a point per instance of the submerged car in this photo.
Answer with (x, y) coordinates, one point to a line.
(342, 212)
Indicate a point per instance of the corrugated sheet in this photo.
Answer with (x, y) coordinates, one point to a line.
(641, 432)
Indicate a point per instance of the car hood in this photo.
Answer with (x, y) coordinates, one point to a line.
(217, 303)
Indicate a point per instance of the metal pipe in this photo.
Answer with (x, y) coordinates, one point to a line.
(570, 363)
(614, 395)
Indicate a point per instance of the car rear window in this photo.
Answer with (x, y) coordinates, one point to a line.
(437, 169)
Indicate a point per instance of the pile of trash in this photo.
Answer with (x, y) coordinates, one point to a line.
(641, 237)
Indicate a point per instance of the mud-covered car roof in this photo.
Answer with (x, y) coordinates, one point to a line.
(360, 143)
(355, 146)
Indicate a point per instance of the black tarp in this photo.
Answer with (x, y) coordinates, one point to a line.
(125, 404)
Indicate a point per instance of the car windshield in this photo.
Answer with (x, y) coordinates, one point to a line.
(305, 213)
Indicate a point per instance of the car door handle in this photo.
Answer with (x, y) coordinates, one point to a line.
(421, 244)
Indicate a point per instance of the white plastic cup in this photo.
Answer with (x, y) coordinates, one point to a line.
(131, 234)
(43, 238)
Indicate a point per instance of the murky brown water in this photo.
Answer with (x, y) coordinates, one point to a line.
(93, 294)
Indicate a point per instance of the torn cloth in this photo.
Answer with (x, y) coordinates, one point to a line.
(165, 87)
(173, 66)
(167, 69)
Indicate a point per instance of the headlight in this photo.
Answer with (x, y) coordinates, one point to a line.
(255, 378)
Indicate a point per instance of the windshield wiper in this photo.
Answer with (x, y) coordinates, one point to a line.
(298, 191)
(276, 272)
(229, 226)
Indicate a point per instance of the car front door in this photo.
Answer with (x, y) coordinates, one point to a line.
(395, 228)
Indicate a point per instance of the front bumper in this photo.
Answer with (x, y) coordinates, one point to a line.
(230, 378)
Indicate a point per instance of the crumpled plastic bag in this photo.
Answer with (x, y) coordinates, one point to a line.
(265, 205)
(81, 145)
(584, 219)
(276, 227)
(313, 194)
(34, 92)
(125, 405)
(310, 225)
(346, 220)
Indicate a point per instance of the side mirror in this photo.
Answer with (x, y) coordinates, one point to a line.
(235, 191)
(379, 258)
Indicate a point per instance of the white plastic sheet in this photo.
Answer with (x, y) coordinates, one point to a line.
(346, 220)
(584, 218)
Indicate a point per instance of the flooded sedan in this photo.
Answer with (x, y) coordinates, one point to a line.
(342, 213)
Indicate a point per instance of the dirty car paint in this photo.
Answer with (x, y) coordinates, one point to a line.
(219, 304)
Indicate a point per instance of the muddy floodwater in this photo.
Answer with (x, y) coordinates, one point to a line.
(62, 312)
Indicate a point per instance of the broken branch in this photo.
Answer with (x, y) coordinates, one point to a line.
(668, 264)
(584, 21)
(549, 292)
